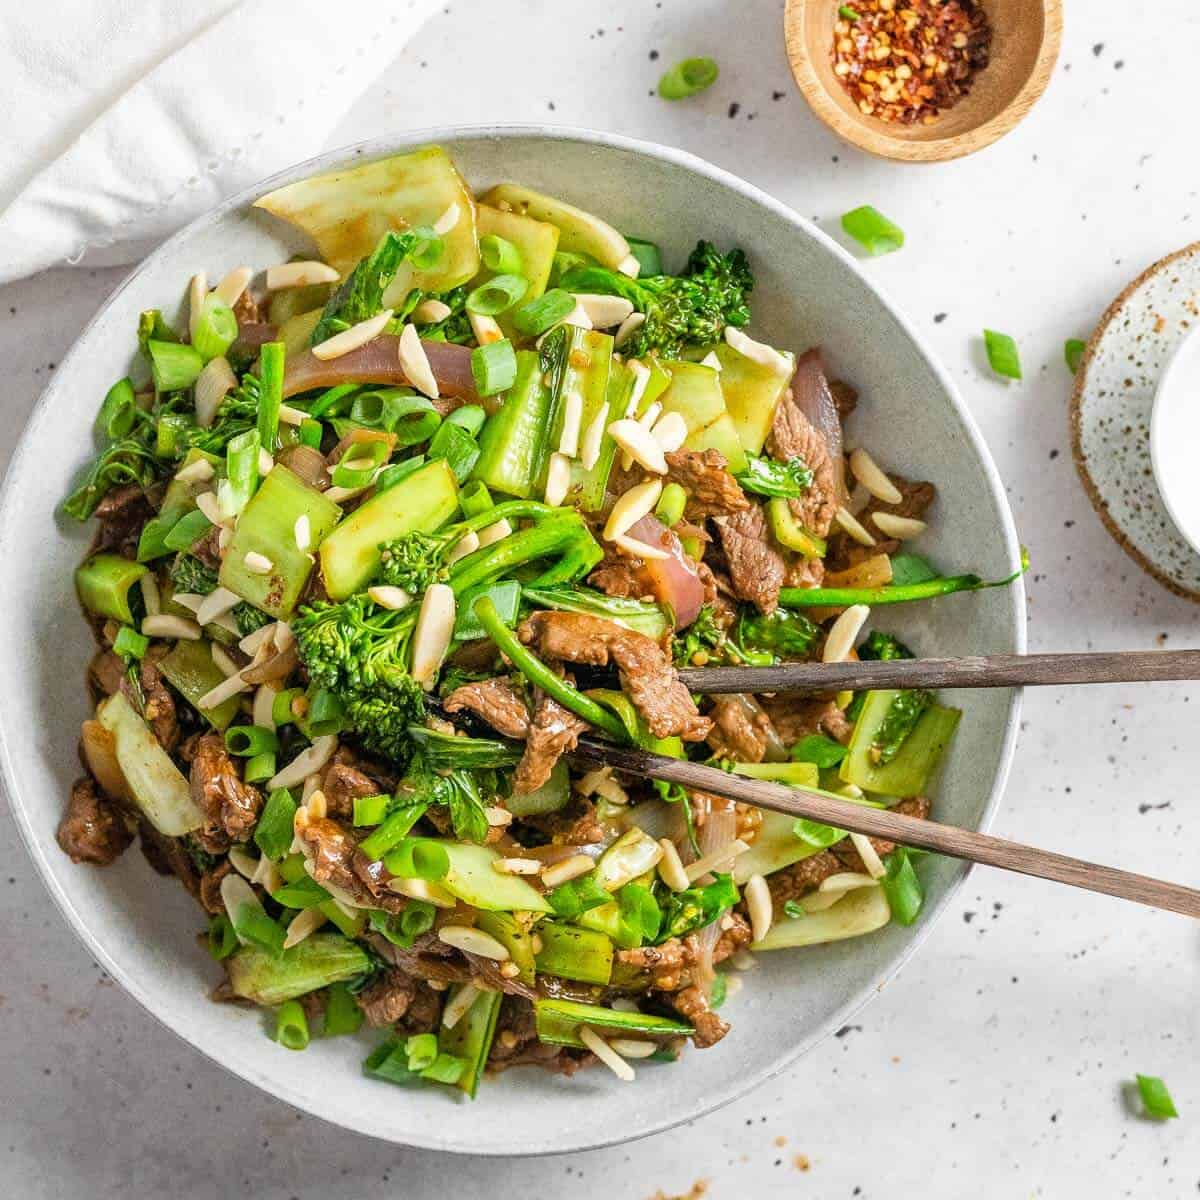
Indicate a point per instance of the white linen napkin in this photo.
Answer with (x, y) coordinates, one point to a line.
(127, 118)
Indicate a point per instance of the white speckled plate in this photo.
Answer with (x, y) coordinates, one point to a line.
(1110, 415)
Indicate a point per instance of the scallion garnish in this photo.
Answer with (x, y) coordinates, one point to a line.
(428, 251)
(359, 463)
(819, 749)
(254, 926)
(422, 1050)
(688, 77)
(536, 316)
(1073, 349)
(187, 531)
(326, 714)
(392, 832)
(310, 433)
(216, 328)
(248, 740)
(671, 503)
(499, 255)
(291, 1025)
(813, 833)
(270, 399)
(119, 410)
(494, 367)
(273, 833)
(848, 14)
(1155, 1098)
(241, 469)
(418, 858)
(129, 643)
(222, 938)
(793, 908)
(397, 473)
(173, 365)
(872, 230)
(446, 1068)
(342, 1014)
(370, 810)
(497, 295)
(260, 767)
(469, 417)
(902, 887)
(1003, 356)
(459, 449)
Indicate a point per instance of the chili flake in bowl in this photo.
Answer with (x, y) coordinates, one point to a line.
(909, 62)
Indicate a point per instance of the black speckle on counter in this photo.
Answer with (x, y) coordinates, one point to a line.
(734, 109)
(1053, 455)
(938, 318)
(1118, 64)
(846, 1030)
(968, 917)
(778, 95)
(1098, 49)
(653, 55)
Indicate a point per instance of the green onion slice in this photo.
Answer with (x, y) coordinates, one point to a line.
(119, 410)
(428, 250)
(1003, 356)
(497, 295)
(534, 317)
(370, 810)
(499, 255)
(248, 740)
(872, 230)
(903, 890)
(813, 833)
(848, 14)
(688, 77)
(1156, 1098)
(291, 1025)
(1073, 349)
(216, 328)
(494, 367)
(359, 462)
(129, 643)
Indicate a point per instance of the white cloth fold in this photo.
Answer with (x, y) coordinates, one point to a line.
(134, 116)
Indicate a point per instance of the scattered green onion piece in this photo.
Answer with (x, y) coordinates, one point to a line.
(129, 643)
(813, 833)
(670, 506)
(303, 893)
(389, 1062)
(370, 810)
(688, 77)
(291, 1025)
(819, 749)
(281, 706)
(216, 328)
(373, 453)
(168, 430)
(119, 410)
(446, 1068)
(241, 467)
(494, 367)
(248, 740)
(270, 393)
(872, 230)
(422, 1050)
(1073, 349)
(499, 255)
(418, 858)
(260, 767)
(847, 13)
(475, 499)
(310, 433)
(536, 316)
(542, 676)
(273, 834)
(639, 912)
(342, 1014)
(1002, 354)
(1156, 1098)
(392, 832)
(222, 937)
(187, 531)
(326, 714)
(173, 365)
(397, 472)
(254, 926)
(793, 908)
(496, 295)
(417, 918)
(469, 417)
(429, 248)
(457, 447)
(902, 887)
(648, 255)
(333, 402)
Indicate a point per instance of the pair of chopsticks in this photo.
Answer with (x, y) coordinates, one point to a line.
(1001, 670)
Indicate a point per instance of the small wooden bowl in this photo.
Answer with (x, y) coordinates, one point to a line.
(1025, 40)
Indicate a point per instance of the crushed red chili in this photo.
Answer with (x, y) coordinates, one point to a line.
(909, 61)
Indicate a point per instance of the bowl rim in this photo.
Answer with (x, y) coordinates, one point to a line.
(877, 139)
(276, 1083)
(1161, 412)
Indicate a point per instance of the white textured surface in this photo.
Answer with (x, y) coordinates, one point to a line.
(994, 1065)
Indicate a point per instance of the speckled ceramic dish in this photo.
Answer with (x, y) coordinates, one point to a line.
(1111, 415)
(143, 928)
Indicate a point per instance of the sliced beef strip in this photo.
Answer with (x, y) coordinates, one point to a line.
(92, 829)
(575, 825)
(845, 397)
(169, 856)
(229, 804)
(210, 887)
(106, 673)
(796, 717)
(618, 575)
(159, 708)
(704, 475)
(249, 310)
(208, 549)
(756, 567)
(342, 785)
(554, 732)
(335, 861)
(809, 873)
(692, 1005)
(496, 701)
(121, 515)
(433, 960)
(669, 966)
(805, 573)
(387, 998)
(646, 673)
(793, 434)
(737, 733)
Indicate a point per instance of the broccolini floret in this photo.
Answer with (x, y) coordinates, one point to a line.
(416, 560)
(189, 574)
(682, 311)
(359, 651)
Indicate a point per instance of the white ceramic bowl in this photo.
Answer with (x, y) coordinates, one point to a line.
(143, 928)
(1175, 437)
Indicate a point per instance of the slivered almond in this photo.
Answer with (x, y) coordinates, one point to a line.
(299, 274)
(164, 625)
(386, 596)
(593, 439)
(670, 867)
(447, 220)
(853, 528)
(215, 381)
(200, 471)
(302, 532)
(895, 526)
(431, 638)
(224, 663)
(605, 311)
(227, 688)
(570, 868)
(670, 432)
(638, 442)
(558, 479)
(759, 352)
(600, 1048)
(231, 287)
(630, 266)
(467, 544)
(577, 317)
(218, 602)
(630, 508)
(711, 360)
(473, 941)
(641, 377)
(495, 532)
(868, 472)
(485, 329)
(258, 563)
(638, 548)
(208, 504)
(568, 443)
(869, 855)
(415, 363)
(430, 312)
(839, 642)
(517, 866)
(306, 921)
(197, 291)
(352, 338)
(628, 328)
(759, 906)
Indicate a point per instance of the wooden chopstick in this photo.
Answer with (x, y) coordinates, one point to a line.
(896, 827)
(993, 670)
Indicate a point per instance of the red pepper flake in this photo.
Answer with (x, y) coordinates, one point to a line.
(909, 62)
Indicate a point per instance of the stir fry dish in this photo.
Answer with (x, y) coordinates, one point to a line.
(384, 531)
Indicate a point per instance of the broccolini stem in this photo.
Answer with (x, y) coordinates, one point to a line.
(925, 590)
(549, 535)
(542, 676)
